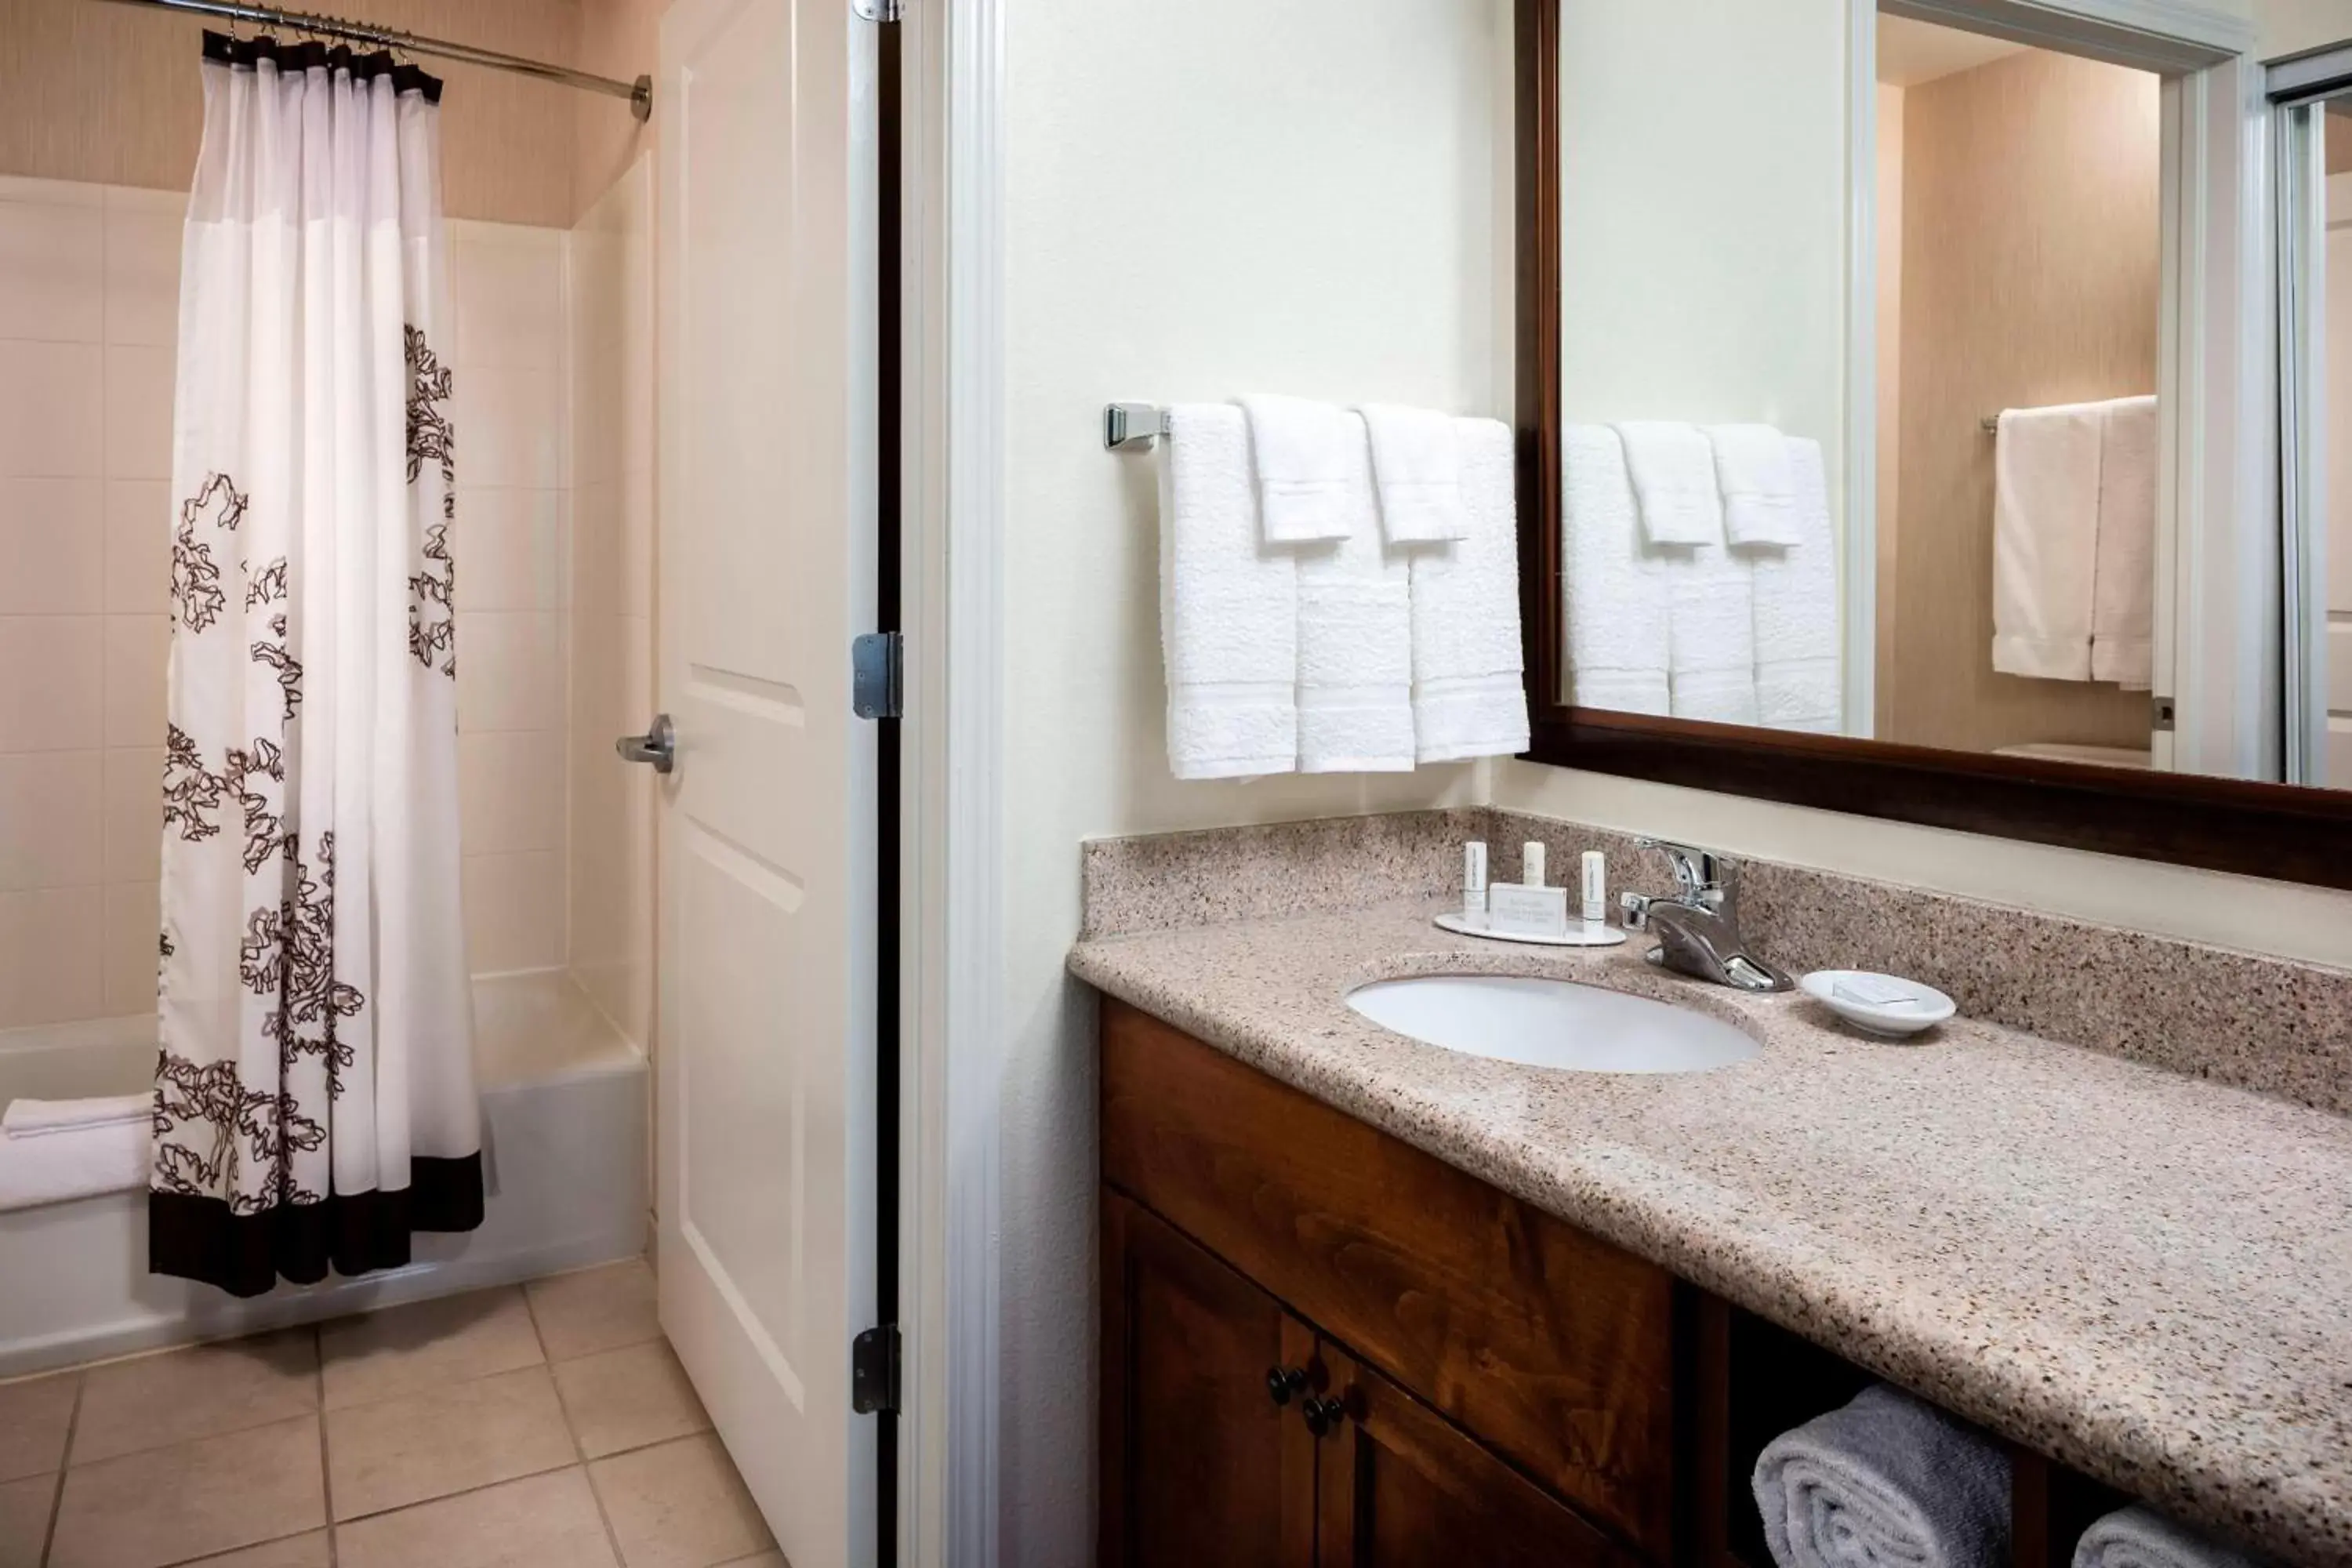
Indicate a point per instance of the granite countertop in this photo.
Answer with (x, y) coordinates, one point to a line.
(2141, 1274)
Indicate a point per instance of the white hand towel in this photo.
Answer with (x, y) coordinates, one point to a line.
(2045, 514)
(1615, 595)
(1885, 1480)
(1420, 474)
(1228, 606)
(2139, 1537)
(1469, 695)
(1355, 639)
(1711, 635)
(2123, 597)
(50, 1118)
(1799, 684)
(1759, 494)
(107, 1157)
(1673, 479)
(1299, 451)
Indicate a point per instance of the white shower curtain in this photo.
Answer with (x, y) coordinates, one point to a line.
(315, 1099)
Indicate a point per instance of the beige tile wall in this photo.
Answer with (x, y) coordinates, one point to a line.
(88, 309)
(612, 849)
(88, 292)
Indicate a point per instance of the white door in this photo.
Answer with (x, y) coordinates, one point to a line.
(768, 824)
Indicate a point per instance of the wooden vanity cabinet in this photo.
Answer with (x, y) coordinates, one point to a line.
(1322, 1348)
(1476, 1378)
(1232, 1434)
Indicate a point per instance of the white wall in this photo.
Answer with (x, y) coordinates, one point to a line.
(1702, 207)
(2290, 27)
(1202, 200)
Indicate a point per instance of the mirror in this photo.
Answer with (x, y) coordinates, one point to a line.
(1865, 427)
(2315, 356)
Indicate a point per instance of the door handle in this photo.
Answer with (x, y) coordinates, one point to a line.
(657, 746)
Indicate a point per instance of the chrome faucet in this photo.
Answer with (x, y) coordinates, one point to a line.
(1698, 928)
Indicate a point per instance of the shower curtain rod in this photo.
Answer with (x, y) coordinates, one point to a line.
(640, 93)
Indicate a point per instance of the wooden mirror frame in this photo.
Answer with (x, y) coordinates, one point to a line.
(2290, 833)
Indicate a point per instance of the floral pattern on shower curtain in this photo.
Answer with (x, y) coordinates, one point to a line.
(314, 1098)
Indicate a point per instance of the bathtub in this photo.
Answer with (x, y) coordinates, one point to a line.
(565, 1103)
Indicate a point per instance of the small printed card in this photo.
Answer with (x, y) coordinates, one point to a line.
(1527, 911)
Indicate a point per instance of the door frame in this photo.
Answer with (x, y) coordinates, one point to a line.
(951, 60)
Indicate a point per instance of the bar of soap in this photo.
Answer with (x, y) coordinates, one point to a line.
(1876, 991)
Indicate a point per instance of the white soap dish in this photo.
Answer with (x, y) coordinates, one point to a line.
(1579, 933)
(1885, 1005)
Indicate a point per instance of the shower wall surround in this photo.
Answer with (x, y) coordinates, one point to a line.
(552, 338)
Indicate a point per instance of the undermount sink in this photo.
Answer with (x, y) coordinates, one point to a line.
(1551, 1023)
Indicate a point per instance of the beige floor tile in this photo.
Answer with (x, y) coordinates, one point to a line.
(34, 1419)
(597, 1309)
(452, 1438)
(679, 1505)
(156, 1401)
(168, 1505)
(402, 1349)
(544, 1522)
(24, 1520)
(628, 1399)
(309, 1551)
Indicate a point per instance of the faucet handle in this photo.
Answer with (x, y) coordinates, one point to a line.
(1698, 873)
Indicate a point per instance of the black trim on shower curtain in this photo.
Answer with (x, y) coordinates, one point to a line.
(311, 54)
(350, 1233)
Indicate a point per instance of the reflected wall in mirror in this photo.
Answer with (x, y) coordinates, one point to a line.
(1995, 592)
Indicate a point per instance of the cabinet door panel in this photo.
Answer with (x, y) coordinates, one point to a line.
(1400, 1487)
(1199, 1463)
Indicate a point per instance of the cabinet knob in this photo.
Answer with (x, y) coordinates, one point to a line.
(1283, 1382)
(1322, 1414)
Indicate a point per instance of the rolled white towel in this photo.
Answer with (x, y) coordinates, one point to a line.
(2139, 1537)
(1885, 1480)
(48, 1117)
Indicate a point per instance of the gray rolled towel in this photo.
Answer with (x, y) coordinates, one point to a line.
(2139, 1537)
(1885, 1482)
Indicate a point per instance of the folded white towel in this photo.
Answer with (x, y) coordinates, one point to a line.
(1885, 1480)
(1420, 474)
(2139, 1537)
(1759, 494)
(1228, 606)
(1711, 635)
(1673, 479)
(1355, 639)
(1614, 592)
(1469, 696)
(49, 1117)
(1799, 682)
(2045, 513)
(2123, 598)
(1299, 453)
(101, 1157)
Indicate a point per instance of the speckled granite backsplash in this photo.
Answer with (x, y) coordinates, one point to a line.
(2272, 1024)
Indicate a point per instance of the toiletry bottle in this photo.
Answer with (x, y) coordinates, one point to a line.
(1531, 864)
(1596, 888)
(1473, 879)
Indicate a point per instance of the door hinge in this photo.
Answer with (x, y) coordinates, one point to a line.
(879, 10)
(876, 678)
(874, 1370)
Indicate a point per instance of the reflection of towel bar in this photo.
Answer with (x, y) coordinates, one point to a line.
(1989, 424)
(1133, 426)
